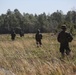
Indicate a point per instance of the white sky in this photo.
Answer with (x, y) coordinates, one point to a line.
(37, 6)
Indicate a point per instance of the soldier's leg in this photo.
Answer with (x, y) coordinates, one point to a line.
(68, 50)
(62, 51)
(40, 42)
(12, 38)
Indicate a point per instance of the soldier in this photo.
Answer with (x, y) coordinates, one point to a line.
(38, 38)
(13, 34)
(21, 33)
(64, 38)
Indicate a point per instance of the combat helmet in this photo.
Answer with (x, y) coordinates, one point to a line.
(63, 27)
(38, 31)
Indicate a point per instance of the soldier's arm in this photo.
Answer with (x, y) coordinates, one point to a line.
(70, 37)
(58, 37)
(36, 36)
(41, 36)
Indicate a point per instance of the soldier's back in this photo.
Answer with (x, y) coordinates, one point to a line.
(62, 37)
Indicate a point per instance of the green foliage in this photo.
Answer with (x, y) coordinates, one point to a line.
(30, 23)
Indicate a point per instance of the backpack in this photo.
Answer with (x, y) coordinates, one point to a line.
(40, 35)
(70, 38)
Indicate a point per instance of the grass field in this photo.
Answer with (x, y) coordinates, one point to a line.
(22, 57)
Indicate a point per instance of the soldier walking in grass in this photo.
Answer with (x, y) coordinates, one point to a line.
(13, 34)
(21, 33)
(64, 38)
(38, 38)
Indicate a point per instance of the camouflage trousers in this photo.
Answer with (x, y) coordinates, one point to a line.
(64, 48)
(38, 42)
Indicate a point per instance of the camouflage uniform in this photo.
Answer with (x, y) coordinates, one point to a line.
(38, 38)
(64, 38)
(13, 35)
(21, 33)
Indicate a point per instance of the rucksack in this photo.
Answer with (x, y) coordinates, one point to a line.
(70, 38)
(40, 35)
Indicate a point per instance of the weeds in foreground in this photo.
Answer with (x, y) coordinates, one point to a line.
(22, 57)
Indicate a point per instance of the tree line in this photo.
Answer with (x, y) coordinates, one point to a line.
(29, 23)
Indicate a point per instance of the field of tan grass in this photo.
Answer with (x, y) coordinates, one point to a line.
(22, 57)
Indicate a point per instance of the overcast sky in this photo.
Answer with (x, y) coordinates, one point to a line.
(37, 6)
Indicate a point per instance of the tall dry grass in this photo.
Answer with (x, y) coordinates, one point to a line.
(22, 57)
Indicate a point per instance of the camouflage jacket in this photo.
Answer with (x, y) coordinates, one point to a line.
(64, 37)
